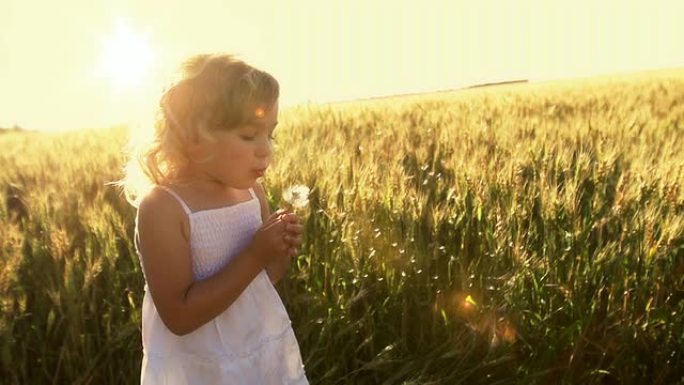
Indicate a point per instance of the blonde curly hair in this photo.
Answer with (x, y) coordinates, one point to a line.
(213, 92)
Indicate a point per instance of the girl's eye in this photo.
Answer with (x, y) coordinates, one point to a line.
(248, 138)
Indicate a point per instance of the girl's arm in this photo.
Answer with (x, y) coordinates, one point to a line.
(183, 304)
(278, 269)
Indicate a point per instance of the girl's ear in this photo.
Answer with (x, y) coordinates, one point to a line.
(195, 151)
(196, 147)
(200, 147)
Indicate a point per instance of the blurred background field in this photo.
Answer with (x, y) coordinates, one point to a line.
(519, 234)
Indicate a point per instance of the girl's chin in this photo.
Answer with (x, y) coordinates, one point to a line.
(250, 183)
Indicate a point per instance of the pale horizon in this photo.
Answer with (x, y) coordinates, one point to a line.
(105, 65)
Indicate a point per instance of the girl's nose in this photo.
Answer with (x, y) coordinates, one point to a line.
(264, 149)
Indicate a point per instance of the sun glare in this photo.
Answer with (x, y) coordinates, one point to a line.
(126, 59)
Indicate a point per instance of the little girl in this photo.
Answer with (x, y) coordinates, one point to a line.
(209, 247)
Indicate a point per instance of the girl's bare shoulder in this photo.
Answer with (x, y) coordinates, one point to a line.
(157, 198)
(159, 208)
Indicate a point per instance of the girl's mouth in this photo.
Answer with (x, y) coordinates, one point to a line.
(260, 172)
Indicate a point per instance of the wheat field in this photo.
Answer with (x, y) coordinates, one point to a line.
(519, 234)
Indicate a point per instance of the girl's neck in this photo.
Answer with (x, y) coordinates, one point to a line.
(205, 194)
(201, 183)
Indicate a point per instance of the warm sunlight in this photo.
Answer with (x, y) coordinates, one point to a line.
(109, 65)
(126, 59)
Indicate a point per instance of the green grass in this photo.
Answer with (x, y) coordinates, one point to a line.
(526, 234)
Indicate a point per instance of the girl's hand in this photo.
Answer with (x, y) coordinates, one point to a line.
(273, 241)
(293, 231)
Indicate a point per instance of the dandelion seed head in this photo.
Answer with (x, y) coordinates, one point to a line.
(297, 196)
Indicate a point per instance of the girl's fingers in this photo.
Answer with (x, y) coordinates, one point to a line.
(294, 229)
(277, 215)
(289, 227)
(293, 241)
(280, 216)
(290, 217)
(270, 224)
(270, 220)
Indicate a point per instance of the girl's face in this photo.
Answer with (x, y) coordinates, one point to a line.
(237, 157)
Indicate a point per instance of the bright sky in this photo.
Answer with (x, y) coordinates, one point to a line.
(84, 63)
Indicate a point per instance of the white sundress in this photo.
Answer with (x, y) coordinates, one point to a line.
(250, 343)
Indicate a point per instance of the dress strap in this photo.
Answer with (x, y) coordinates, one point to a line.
(251, 192)
(178, 198)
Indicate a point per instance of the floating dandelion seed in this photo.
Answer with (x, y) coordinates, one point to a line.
(297, 196)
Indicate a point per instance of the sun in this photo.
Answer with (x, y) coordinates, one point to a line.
(126, 59)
